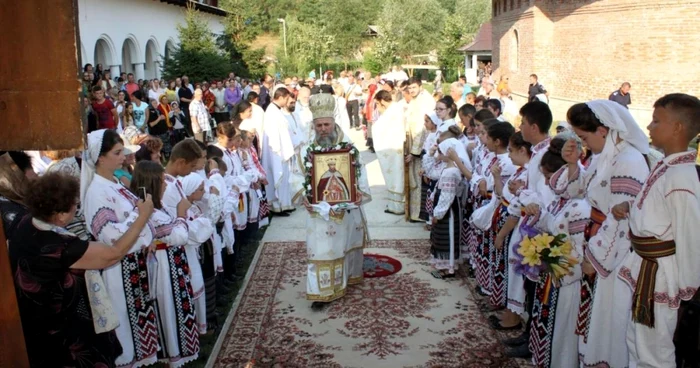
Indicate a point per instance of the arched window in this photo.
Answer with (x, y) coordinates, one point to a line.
(514, 50)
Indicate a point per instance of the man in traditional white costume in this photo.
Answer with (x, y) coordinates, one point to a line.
(278, 150)
(335, 235)
(389, 133)
(662, 271)
(422, 103)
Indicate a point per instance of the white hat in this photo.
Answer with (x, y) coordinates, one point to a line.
(128, 147)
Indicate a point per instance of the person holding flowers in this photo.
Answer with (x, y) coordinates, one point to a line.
(519, 152)
(553, 257)
(615, 174)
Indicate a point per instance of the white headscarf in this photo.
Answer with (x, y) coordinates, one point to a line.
(434, 118)
(445, 126)
(191, 182)
(622, 125)
(90, 156)
(564, 124)
(458, 147)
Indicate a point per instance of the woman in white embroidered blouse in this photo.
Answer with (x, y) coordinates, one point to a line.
(110, 210)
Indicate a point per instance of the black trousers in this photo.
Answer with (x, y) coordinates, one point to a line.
(354, 113)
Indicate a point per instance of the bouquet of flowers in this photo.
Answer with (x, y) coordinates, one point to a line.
(540, 251)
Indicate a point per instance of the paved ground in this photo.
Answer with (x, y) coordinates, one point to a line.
(381, 225)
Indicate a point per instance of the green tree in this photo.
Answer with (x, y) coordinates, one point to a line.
(460, 28)
(414, 25)
(308, 45)
(197, 54)
(346, 21)
(195, 33)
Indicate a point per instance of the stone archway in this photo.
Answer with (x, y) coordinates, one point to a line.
(513, 53)
(103, 53)
(132, 61)
(169, 48)
(152, 65)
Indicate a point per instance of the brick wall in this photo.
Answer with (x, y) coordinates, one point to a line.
(584, 49)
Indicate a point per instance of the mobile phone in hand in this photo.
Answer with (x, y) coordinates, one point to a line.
(142, 193)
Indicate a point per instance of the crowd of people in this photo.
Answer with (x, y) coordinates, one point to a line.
(121, 253)
(626, 207)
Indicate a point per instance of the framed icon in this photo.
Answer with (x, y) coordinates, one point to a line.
(333, 177)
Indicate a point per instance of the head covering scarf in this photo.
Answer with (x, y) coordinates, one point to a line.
(434, 118)
(458, 147)
(564, 124)
(445, 125)
(90, 156)
(623, 126)
(165, 109)
(13, 182)
(191, 182)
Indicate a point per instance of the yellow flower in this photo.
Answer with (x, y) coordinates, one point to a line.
(532, 260)
(566, 248)
(559, 271)
(543, 241)
(555, 252)
(527, 248)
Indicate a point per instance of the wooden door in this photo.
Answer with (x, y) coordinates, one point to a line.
(39, 110)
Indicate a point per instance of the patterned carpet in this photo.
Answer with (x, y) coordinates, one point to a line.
(408, 319)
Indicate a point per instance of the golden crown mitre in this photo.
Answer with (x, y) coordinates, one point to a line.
(322, 105)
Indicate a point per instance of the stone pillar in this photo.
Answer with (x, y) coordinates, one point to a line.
(157, 65)
(114, 71)
(138, 71)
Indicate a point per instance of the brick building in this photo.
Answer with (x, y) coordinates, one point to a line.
(585, 49)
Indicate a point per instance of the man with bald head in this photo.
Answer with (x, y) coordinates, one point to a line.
(199, 117)
(303, 110)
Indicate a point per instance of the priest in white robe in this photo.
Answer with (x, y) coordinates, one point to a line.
(299, 141)
(278, 150)
(336, 235)
(421, 104)
(390, 138)
(304, 112)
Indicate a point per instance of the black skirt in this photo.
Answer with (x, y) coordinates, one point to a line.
(423, 215)
(440, 243)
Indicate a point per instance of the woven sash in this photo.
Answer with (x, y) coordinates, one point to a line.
(597, 219)
(160, 245)
(650, 249)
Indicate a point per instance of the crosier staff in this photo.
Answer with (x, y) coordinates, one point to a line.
(406, 179)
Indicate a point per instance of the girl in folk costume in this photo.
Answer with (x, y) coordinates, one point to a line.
(432, 167)
(468, 241)
(497, 138)
(215, 282)
(482, 187)
(109, 210)
(262, 215)
(201, 218)
(466, 123)
(444, 235)
(258, 209)
(616, 174)
(662, 272)
(520, 152)
(173, 291)
(553, 341)
(238, 180)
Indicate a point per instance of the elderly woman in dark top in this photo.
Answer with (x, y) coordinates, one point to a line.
(15, 174)
(48, 264)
